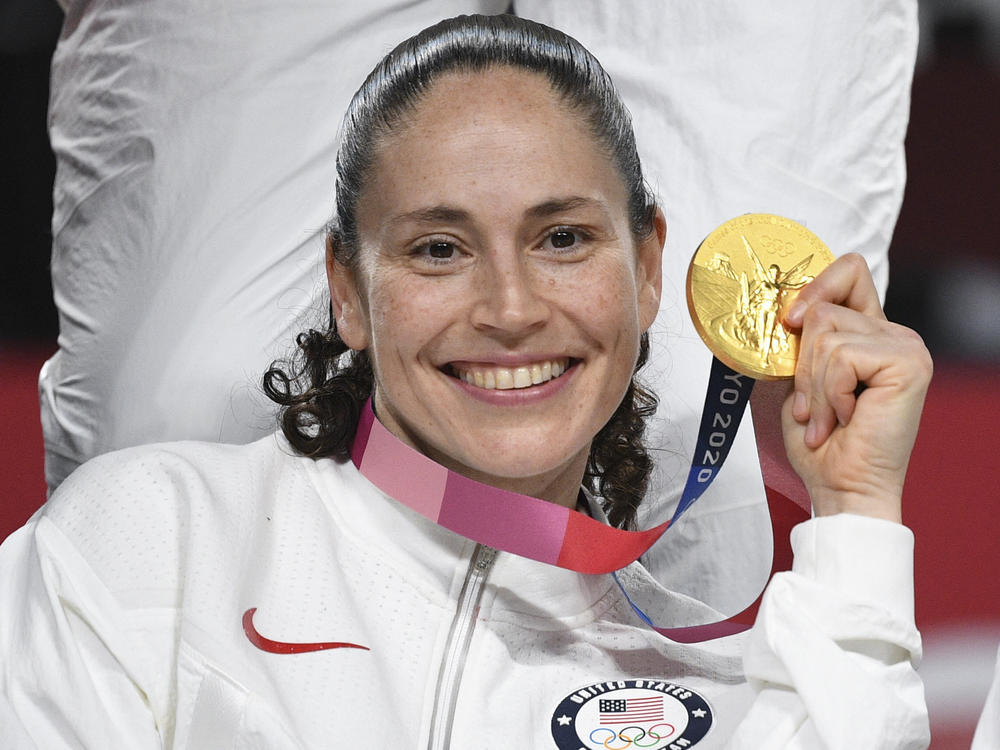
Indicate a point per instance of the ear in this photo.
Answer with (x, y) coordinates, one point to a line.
(345, 297)
(649, 275)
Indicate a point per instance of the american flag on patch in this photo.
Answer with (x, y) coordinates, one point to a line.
(630, 710)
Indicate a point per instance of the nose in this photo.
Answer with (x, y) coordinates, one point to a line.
(510, 299)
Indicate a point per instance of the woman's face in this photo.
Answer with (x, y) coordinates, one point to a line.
(499, 290)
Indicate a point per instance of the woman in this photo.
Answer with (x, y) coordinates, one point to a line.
(493, 267)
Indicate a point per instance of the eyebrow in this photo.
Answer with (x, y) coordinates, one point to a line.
(434, 215)
(451, 214)
(561, 205)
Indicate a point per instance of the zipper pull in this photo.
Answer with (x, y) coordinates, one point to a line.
(484, 558)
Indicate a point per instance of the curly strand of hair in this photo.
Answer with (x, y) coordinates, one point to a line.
(320, 419)
(619, 465)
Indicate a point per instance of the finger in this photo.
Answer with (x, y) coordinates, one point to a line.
(846, 282)
(822, 319)
(820, 416)
(887, 360)
(845, 361)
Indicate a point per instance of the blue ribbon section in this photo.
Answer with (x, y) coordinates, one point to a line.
(725, 402)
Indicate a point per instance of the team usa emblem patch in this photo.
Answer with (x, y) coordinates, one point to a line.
(651, 714)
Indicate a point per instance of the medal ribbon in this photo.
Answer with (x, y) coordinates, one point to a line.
(554, 534)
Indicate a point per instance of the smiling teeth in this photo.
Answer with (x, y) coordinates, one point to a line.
(509, 378)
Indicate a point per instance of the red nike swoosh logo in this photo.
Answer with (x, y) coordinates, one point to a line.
(280, 647)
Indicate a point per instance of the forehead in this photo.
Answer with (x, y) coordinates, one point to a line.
(492, 91)
(500, 137)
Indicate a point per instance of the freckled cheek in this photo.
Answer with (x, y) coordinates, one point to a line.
(604, 303)
(404, 317)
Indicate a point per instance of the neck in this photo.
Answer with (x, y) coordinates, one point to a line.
(559, 486)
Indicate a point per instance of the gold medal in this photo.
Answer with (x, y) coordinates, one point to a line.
(741, 280)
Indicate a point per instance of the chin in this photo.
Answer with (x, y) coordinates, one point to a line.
(526, 465)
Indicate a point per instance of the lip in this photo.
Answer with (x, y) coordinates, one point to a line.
(515, 396)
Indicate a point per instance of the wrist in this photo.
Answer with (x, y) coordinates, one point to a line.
(884, 506)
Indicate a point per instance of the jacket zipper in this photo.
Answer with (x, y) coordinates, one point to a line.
(457, 647)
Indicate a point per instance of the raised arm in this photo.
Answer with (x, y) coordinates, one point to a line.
(834, 651)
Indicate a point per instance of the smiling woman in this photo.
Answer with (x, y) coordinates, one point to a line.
(532, 276)
(422, 558)
(510, 240)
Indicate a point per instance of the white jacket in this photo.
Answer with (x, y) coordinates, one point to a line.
(125, 624)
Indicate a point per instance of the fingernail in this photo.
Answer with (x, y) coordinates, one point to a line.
(811, 432)
(796, 313)
(800, 405)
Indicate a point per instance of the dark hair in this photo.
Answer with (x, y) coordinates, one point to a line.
(323, 392)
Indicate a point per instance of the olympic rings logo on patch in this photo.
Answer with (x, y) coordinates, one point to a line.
(650, 714)
(632, 736)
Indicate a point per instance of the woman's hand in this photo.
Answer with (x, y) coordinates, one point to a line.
(850, 423)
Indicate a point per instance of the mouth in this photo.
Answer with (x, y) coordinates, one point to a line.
(494, 377)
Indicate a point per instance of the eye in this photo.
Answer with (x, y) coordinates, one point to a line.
(440, 250)
(568, 242)
(437, 254)
(562, 238)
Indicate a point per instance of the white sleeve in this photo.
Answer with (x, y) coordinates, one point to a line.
(69, 676)
(833, 653)
(987, 735)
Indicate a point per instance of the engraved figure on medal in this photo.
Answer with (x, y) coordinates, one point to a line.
(757, 322)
